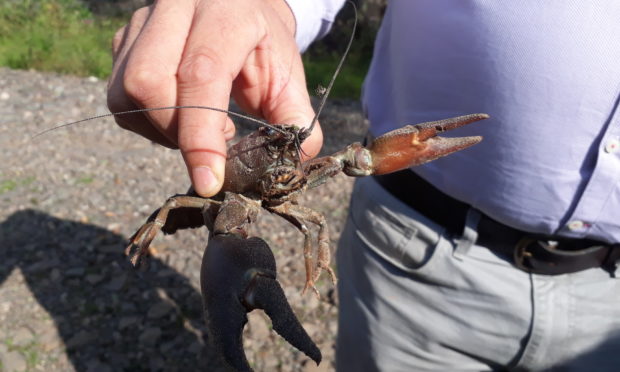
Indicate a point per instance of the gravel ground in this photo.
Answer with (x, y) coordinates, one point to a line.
(69, 301)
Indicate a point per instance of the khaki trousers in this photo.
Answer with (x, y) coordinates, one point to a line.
(414, 299)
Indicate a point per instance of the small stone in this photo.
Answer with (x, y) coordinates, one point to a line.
(13, 361)
(310, 302)
(127, 321)
(270, 362)
(92, 79)
(63, 360)
(196, 347)
(166, 272)
(49, 340)
(95, 365)
(117, 282)
(55, 275)
(94, 278)
(150, 336)
(42, 266)
(159, 310)
(5, 307)
(310, 366)
(157, 363)
(75, 272)
(166, 347)
(110, 248)
(22, 337)
(311, 328)
(118, 360)
(5, 96)
(333, 326)
(258, 326)
(128, 307)
(80, 339)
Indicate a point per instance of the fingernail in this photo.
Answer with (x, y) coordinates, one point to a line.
(205, 182)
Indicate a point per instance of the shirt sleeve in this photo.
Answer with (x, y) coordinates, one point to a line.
(314, 19)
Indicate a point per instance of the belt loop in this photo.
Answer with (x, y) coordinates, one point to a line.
(470, 234)
(614, 261)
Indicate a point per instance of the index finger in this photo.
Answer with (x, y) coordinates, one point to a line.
(216, 48)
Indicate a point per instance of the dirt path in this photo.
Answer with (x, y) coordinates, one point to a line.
(68, 299)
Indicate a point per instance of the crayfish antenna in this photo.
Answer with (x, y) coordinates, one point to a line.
(325, 91)
(231, 113)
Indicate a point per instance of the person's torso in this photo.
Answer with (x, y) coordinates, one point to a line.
(548, 73)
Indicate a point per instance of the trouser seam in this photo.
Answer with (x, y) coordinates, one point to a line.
(530, 350)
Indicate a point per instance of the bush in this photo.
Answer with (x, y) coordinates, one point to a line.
(65, 36)
(55, 35)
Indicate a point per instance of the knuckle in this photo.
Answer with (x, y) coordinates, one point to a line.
(200, 68)
(142, 82)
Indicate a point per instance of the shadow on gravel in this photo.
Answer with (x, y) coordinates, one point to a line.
(110, 316)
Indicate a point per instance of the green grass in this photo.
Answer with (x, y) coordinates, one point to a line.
(55, 35)
(64, 36)
(85, 180)
(29, 351)
(319, 71)
(7, 185)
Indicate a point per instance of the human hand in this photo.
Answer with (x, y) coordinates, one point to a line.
(200, 53)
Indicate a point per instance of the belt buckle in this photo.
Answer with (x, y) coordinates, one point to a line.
(521, 252)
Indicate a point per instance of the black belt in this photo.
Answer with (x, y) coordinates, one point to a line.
(549, 255)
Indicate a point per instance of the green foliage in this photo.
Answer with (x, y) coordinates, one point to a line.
(55, 35)
(64, 36)
(322, 57)
(319, 70)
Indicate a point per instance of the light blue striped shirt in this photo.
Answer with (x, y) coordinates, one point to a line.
(548, 73)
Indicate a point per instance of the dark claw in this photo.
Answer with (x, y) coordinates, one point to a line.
(237, 276)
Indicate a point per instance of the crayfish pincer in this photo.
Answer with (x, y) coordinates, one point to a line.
(239, 275)
(264, 171)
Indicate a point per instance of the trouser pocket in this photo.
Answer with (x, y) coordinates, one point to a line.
(393, 230)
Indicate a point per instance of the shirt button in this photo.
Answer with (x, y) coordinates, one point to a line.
(575, 225)
(612, 145)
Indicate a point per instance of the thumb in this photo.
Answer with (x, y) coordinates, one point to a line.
(300, 114)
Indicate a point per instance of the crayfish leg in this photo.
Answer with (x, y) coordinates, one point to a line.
(323, 256)
(298, 215)
(141, 240)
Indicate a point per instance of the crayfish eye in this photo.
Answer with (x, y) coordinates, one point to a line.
(269, 131)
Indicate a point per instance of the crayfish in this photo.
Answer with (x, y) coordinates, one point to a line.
(264, 171)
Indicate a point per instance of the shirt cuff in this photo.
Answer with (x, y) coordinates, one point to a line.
(313, 19)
